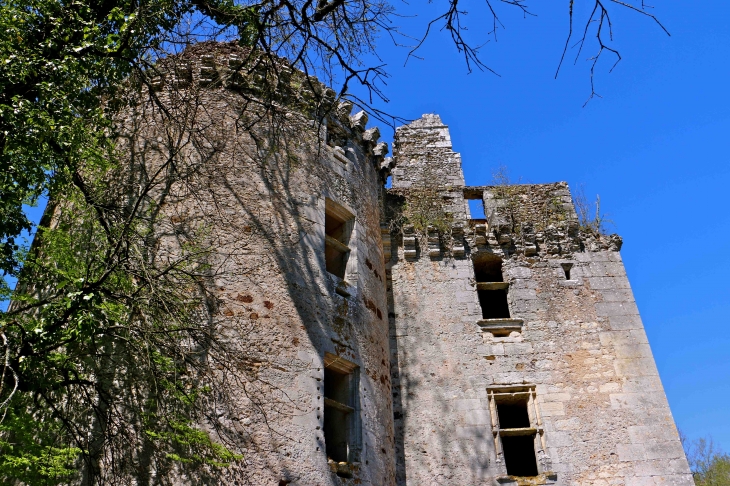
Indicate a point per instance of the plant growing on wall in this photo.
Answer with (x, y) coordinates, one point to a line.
(590, 217)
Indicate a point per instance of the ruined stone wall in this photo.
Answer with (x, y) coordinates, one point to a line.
(573, 342)
(256, 193)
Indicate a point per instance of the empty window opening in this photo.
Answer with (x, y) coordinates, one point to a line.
(517, 428)
(488, 268)
(494, 304)
(513, 415)
(341, 420)
(338, 223)
(566, 269)
(519, 455)
(493, 301)
(476, 208)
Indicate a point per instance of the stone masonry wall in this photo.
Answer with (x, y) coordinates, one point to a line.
(577, 342)
(257, 191)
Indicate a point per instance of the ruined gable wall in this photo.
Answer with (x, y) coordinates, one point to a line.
(603, 413)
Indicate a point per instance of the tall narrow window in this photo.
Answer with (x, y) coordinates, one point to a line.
(491, 288)
(338, 224)
(566, 269)
(341, 415)
(517, 428)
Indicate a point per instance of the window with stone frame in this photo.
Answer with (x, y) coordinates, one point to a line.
(338, 225)
(342, 434)
(491, 287)
(519, 438)
(567, 267)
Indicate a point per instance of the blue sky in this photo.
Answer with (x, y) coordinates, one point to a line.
(655, 148)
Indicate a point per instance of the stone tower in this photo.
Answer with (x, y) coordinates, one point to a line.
(398, 340)
(517, 352)
(291, 210)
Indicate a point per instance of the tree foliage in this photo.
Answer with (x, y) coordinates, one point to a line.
(710, 466)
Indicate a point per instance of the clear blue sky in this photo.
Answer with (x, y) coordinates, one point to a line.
(655, 148)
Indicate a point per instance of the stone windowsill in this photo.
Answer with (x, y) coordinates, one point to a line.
(547, 477)
(492, 285)
(490, 325)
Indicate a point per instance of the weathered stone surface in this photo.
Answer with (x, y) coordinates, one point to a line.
(407, 312)
(601, 404)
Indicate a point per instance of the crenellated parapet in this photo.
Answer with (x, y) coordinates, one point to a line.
(265, 83)
(428, 205)
(553, 232)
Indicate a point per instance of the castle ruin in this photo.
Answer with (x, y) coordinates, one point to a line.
(419, 345)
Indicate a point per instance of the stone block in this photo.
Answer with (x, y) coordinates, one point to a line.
(659, 467)
(630, 452)
(635, 367)
(615, 269)
(674, 480)
(609, 388)
(514, 349)
(556, 397)
(619, 295)
(602, 283)
(653, 434)
(630, 351)
(568, 424)
(560, 439)
(522, 294)
(664, 450)
(552, 409)
(611, 309)
(640, 384)
(638, 401)
(639, 335)
(359, 120)
(626, 322)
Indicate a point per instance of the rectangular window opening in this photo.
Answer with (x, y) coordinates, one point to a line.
(492, 298)
(341, 418)
(566, 269)
(513, 415)
(519, 455)
(494, 304)
(517, 428)
(338, 224)
(476, 209)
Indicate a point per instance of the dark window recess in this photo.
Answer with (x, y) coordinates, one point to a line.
(519, 455)
(494, 304)
(341, 434)
(566, 269)
(519, 450)
(513, 415)
(337, 228)
(488, 269)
